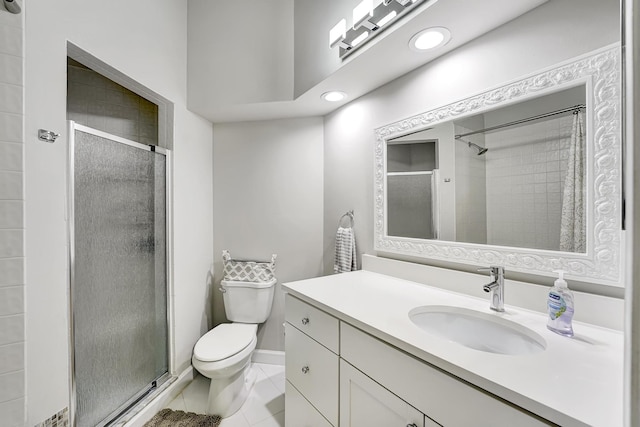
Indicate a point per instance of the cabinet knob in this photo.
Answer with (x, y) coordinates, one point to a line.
(305, 320)
(412, 425)
(305, 369)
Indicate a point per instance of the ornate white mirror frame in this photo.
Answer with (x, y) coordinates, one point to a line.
(600, 72)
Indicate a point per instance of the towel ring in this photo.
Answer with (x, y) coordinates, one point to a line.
(348, 214)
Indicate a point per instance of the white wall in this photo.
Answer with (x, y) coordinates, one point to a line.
(12, 307)
(471, 187)
(192, 232)
(268, 199)
(145, 40)
(554, 32)
(240, 52)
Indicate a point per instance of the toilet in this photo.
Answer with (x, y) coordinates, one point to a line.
(224, 353)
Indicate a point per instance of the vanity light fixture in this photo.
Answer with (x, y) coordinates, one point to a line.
(430, 38)
(362, 37)
(333, 96)
(362, 13)
(338, 33)
(388, 18)
(369, 18)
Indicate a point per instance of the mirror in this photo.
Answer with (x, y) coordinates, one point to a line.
(526, 175)
(512, 176)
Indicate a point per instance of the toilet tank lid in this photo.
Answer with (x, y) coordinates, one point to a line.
(239, 284)
(224, 341)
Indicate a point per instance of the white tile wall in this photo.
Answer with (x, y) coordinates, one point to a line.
(526, 167)
(11, 271)
(13, 412)
(11, 156)
(12, 319)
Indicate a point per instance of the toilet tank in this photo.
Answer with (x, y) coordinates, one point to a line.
(247, 302)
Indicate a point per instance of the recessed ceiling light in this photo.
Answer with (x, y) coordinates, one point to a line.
(334, 96)
(430, 39)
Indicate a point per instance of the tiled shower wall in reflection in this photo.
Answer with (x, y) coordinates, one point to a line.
(12, 316)
(526, 168)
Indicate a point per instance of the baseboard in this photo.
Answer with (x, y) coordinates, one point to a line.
(269, 357)
(162, 399)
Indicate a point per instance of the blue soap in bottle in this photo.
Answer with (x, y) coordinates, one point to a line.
(560, 306)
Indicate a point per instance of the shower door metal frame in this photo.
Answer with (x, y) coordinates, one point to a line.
(121, 411)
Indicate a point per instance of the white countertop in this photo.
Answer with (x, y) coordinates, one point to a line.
(575, 382)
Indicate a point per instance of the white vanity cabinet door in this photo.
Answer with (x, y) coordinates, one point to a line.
(365, 403)
(319, 325)
(300, 413)
(441, 396)
(313, 370)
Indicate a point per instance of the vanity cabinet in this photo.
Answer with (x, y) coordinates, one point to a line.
(338, 375)
(444, 398)
(312, 366)
(299, 412)
(365, 403)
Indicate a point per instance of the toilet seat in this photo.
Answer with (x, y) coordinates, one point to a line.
(224, 341)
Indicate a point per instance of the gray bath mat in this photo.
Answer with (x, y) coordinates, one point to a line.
(171, 418)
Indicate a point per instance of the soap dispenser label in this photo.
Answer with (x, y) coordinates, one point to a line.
(557, 305)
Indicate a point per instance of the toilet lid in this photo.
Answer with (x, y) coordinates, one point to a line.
(224, 341)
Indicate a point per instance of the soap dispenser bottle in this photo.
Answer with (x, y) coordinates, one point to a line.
(560, 306)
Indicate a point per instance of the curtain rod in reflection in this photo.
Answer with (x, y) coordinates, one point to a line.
(574, 109)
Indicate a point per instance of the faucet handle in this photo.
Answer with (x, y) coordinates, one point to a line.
(494, 269)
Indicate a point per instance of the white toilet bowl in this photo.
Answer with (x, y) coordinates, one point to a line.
(224, 353)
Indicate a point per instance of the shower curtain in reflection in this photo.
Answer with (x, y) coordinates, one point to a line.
(118, 268)
(572, 225)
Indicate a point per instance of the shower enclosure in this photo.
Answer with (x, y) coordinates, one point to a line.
(412, 208)
(412, 189)
(118, 254)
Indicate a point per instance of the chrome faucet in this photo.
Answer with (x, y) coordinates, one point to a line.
(496, 287)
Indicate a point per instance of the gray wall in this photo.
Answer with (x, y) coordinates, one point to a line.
(95, 101)
(268, 199)
(549, 34)
(313, 58)
(12, 307)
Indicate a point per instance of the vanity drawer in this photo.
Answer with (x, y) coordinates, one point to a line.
(442, 397)
(317, 324)
(313, 370)
(300, 413)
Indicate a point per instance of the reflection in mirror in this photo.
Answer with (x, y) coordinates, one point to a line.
(411, 180)
(514, 176)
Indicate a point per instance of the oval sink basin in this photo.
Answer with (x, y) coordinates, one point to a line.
(476, 330)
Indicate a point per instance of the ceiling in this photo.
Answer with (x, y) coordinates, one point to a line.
(380, 61)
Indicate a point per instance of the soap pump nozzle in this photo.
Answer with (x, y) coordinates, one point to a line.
(560, 282)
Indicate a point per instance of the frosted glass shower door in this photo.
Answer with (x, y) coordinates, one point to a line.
(410, 205)
(118, 268)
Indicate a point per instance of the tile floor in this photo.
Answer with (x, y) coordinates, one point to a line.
(264, 406)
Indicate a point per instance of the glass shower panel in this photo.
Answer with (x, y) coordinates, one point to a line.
(409, 206)
(119, 293)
